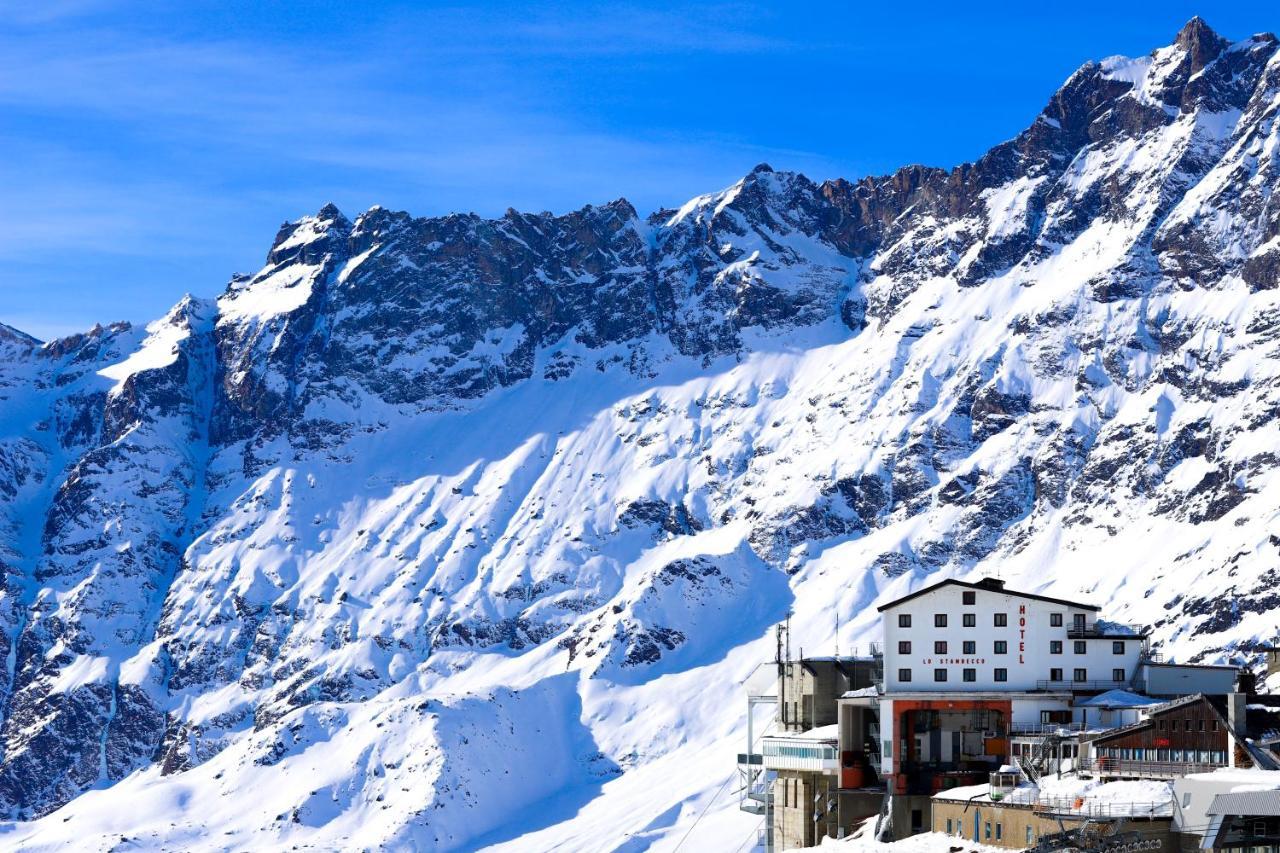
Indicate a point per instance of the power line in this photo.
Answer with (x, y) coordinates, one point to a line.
(705, 808)
(752, 835)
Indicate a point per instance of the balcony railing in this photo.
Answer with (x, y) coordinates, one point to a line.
(1113, 632)
(1016, 728)
(1146, 769)
(1083, 807)
(1062, 684)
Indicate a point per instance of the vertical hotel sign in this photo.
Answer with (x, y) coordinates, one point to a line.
(1022, 633)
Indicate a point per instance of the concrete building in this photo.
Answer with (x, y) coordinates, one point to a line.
(805, 767)
(1271, 655)
(808, 689)
(793, 772)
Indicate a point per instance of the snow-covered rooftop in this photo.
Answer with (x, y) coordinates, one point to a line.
(831, 732)
(1076, 795)
(1119, 699)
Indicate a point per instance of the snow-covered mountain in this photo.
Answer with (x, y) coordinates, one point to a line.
(450, 533)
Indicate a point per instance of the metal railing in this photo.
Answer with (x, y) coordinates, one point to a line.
(1084, 807)
(1016, 728)
(1115, 632)
(1145, 769)
(1066, 684)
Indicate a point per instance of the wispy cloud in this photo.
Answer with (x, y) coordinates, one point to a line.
(132, 147)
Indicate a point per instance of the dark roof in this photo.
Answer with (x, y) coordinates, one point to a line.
(1247, 804)
(1192, 665)
(1220, 708)
(989, 587)
(1259, 722)
(847, 665)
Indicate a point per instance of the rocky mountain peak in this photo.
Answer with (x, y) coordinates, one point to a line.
(308, 238)
(10, 335)
(1201, 43)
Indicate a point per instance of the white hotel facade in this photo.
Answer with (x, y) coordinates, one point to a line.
(978, 636)
(967, 665)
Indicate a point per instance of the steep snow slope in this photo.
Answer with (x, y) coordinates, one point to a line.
(452, 533)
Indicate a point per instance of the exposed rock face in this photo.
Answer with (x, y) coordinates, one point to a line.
(410, 448)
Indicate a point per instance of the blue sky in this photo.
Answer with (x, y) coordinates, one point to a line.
(150, 152)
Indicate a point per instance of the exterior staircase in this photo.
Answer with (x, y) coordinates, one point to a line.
(1037, 764)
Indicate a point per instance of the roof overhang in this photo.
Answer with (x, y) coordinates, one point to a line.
(985, 588)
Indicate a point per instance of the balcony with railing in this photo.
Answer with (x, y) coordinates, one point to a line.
(1040, 729)
(793, 753)
(1104, 630)
(1101, 809)
(1062, 684)
(1125, 768)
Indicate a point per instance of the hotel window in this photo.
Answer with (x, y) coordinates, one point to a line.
(970, 597)
(1002, 647)
(1160, 725)
(939, 674)
(904, 647)
(1186, 725)
(999, 831)
(904, 675)
(939, 620)
(1055, 647)
(970, 675)
(1002, 620)
(949, 822)
(939, 647)
(1215, 725)
(1029, 840)
(904, 620)
(1117, 674)
(971, 620)
(971, 648)
(1055, 620)
(1117, 647)
(1055, 674)
(1080, 675)
(987, 829)
(1201, 722)
(1002, 675)
(1079, 647)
